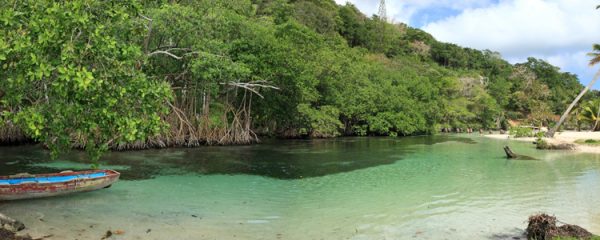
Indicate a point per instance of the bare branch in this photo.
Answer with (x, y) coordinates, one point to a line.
(253, 86)
(147, 18)
(166, 53)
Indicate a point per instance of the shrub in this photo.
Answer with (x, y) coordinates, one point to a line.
(519, 132)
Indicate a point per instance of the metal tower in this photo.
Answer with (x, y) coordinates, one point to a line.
(382, 11)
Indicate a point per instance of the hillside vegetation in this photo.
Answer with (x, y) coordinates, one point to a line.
(133, 74)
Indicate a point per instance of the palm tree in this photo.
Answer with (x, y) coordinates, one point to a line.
(590, 113)
(595, 60)
(595, 55)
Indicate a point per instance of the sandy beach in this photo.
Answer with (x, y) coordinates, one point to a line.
(562, 137)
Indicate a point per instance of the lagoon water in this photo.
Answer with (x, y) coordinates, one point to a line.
(437, 187)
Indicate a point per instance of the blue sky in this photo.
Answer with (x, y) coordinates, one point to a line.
(559, 31)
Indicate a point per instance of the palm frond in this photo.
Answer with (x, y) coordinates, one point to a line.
(595, 59)
(595, 55)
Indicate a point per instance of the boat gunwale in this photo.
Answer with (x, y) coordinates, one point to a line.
(109, 174)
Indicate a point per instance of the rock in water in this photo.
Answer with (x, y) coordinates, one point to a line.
(543, 227)
(10, 223)
(9, 235)
(545, 145)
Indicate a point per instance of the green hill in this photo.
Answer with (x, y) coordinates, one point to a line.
(136, 74)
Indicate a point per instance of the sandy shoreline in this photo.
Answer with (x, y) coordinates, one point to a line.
(561, 137)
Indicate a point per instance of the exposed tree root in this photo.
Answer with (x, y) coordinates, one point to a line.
(11, 134)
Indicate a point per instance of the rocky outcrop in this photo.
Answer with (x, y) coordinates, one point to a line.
(554, 145)
(544, 227)
(9, 229)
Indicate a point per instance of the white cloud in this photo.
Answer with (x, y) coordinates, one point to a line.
(560, 31)
(404, 10)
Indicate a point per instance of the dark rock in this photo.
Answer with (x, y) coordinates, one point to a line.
(543, 227)
(5, 234)
(11, 223)
(108, 234)
(545, 145)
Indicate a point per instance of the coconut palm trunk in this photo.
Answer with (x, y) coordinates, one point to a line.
(552, 131)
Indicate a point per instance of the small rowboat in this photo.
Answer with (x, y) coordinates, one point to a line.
(25, 186)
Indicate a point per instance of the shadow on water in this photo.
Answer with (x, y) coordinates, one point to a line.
(280, 159)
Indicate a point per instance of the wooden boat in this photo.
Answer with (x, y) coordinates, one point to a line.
(25, 186)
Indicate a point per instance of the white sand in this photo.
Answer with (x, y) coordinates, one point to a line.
(562, 137)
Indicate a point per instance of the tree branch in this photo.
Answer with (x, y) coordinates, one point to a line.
(166, 53)
(253, 86)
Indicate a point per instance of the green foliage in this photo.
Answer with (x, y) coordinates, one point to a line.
(102, 72)
(589, 113)
(323, 122)
(519, 132)
(588, 141)
(73, 73)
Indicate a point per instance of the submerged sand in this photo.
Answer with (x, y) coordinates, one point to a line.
(562, 137)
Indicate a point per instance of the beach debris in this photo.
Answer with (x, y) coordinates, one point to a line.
(107, 235)
(544, 227)
(149, 230)
(119, 232)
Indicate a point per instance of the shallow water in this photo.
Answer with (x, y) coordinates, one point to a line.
(442, 187)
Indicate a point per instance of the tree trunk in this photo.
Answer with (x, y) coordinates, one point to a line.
(552, 131)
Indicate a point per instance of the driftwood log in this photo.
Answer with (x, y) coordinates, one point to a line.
(511, 155)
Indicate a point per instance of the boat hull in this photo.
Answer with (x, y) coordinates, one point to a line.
(28, 190)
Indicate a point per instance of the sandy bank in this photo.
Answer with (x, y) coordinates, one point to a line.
(561, 137)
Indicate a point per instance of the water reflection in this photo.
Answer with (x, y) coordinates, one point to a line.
(289, 159)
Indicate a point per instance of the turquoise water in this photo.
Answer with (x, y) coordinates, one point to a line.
(442, 187)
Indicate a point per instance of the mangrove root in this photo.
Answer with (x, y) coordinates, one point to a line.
(544, 227)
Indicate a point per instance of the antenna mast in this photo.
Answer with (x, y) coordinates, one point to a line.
(382, 11)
